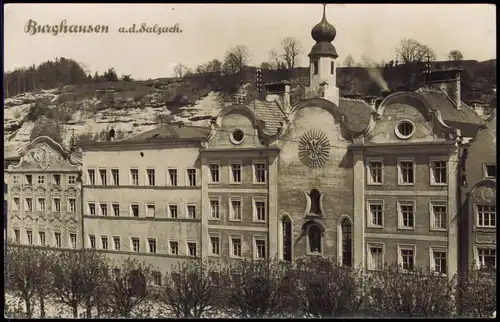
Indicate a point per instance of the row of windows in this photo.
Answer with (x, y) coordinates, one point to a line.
(486, 215)
(438, 257)
(149, 245)
(104, 177)
(41, 204)
(406, 172)
(259, 246)
(42, 179)
(42, 238)
(103, 209)
(235, 209)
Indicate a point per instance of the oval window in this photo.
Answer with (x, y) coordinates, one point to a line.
(404, 129)
(237, 136)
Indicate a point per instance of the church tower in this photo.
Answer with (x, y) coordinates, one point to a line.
(322, 69)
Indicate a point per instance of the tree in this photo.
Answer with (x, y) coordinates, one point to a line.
(411, 51)
(275, 59)
(127, 288)
(110, 75)
(180, 70)
(455, 55)
(292, 49)
(127, 78)
(47, 127)
(214, 66)
(236, 59)
(188, 291)
(477, 293)
(266, 65)
(349, 61)
(45, 278)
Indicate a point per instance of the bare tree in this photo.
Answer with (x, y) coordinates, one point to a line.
(274, 59)
(455, 55)
(45, 278)
(236, 59)
(411, 51)
(349, 61)
(181, 70)
(188, 291)
(292, 49)
(214, 66)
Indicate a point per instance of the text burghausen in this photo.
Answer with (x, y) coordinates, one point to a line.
(32, 27)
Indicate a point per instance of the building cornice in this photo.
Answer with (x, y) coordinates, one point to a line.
(401, 147)
(150, 144)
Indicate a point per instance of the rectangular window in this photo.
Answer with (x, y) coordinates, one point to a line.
(91, 177)
(17, 236)
(172, 177)
(57, 205)
(151, 176)
(58, 240)
(173, 211)
(29, 204)
(214, 209)
(174, 247)
(116, 242)
(375, 257)
(56, 179)
(29, 179)
(260, 210)
(104, 209)
(406, 172)
(136, 245)
(191, 249)
(235, 173)
(407, 258)
(332, 67)
(92, 241)
(235, 209)
(406, 215)
(236, 246)
(41, 204)
(260, 249)
(41, 179)
(72, 238)
(150, 210)
(17, 203)
(315, 67)
(92, 209)
(103, 174)
(487, 257)
(157, 278)
(191, 210)
(115, 176)
(134, 210)
(29, 237)
(375, 169)
(215, 242)
(116, 209)
(376, 214)
(438, 216)
(71, 179)
(134, 177)
(438, 261)
(41, 237)
(71, 205)
(439, 172)
(152, 245)
(214, 173)
(104, 242)
(486, 216)
(490, 171)
(15, 179)
(260, 172)
(191, 173)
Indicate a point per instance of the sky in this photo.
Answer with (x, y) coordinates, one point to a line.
(209, 30)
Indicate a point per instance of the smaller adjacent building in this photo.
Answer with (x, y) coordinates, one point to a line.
(477, 216)
(44, 196)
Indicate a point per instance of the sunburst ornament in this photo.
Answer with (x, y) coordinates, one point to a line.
(314, 148)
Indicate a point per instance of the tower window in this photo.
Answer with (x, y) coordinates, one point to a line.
(315, 196)
(346, 243)
(315, 67)
(314, 235)
(332, 67)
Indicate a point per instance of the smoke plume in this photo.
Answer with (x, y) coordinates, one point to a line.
(376, 76)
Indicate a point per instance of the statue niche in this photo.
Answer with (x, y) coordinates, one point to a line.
(315, 206)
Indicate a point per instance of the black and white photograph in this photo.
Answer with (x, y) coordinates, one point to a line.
(249, 160)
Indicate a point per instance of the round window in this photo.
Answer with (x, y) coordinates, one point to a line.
(405, 129)
(237, 136)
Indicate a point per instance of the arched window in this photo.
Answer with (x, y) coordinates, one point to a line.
(346, 242)
(315, 202)
(286, 225)
(314, 235)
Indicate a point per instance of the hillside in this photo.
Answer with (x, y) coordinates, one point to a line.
(132, 107)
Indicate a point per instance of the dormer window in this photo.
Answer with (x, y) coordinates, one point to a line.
(490, 171)
(332, 67)
(315, 67)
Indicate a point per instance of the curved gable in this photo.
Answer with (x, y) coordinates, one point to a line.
(484, 192)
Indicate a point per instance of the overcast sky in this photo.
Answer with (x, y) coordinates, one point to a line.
(372, 30)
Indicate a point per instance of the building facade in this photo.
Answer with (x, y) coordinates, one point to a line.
(477, 216)
(44, 196)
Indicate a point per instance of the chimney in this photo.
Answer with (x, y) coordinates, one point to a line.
(372, 101)
(278, 91)
(447, 80)
(384, 93)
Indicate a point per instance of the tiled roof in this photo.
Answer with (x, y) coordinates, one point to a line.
(172, 131)
(270, 113)
(357, 114)
(10, 153)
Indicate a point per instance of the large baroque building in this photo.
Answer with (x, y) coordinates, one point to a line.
(362, 181)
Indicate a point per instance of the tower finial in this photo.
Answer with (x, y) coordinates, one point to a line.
(324, 10)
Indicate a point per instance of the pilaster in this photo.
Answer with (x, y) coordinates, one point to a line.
(205, 207)
(273, 205)
(453, 190)
(359, 208)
